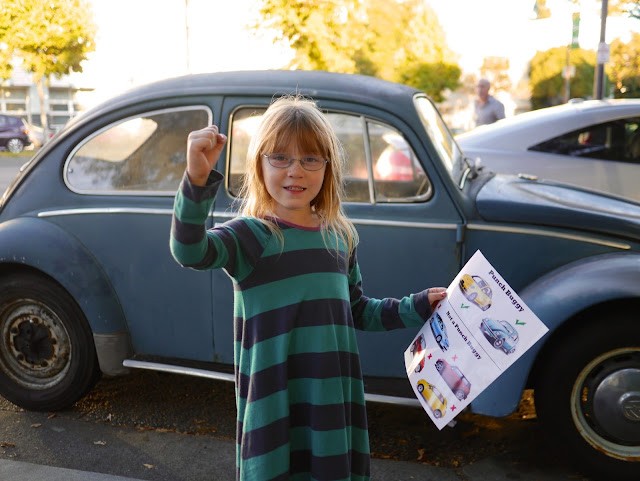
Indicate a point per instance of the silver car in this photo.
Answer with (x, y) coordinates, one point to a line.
(593, 144)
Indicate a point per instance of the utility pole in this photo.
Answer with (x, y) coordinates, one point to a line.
(186, 31)
(603, 54)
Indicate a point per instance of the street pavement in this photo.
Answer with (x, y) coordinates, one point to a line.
(39, 447)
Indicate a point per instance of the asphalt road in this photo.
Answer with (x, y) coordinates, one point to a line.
(162, 427)
(9, 165)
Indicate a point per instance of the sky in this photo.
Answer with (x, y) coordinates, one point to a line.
(139, 41)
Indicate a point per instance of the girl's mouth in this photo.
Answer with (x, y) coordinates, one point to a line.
(294, 188)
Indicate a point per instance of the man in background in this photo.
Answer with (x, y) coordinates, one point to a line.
(488, 109)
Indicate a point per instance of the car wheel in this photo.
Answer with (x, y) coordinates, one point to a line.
(439, 366)
(588, 396)
(437, 414)
(498, 343)
(460, 395)
(47, 355)
(420, 388)
(15, 146)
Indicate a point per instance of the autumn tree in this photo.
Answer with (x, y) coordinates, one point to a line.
(546, 75)
(357, 36)
(623, 67)
(49, 38)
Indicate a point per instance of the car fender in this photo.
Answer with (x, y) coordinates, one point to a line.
(555, 298)
(77, 271)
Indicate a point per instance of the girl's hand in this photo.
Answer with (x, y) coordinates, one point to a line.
(203, 150)
(436, 294)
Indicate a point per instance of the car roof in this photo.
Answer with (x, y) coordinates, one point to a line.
(529, 128)
(270, 83)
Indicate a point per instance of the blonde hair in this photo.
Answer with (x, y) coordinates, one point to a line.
(296, 120)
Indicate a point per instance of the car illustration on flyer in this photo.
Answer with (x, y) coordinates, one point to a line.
(473, 336)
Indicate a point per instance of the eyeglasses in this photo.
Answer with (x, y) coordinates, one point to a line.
(308, 162)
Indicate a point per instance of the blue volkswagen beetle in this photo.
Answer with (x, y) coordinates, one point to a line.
(88, 285)
(501, 334)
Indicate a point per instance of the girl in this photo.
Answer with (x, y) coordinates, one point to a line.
(298, 295)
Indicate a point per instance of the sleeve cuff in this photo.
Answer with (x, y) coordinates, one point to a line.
(198, 193)
(421, 304)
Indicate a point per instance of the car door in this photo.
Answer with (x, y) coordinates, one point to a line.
(405, 218)
(122, 178)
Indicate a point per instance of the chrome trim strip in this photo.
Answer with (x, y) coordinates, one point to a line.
(547, 233)
(400, 401)
(105, 210)
(415, 225)
(189, 371)
(387, 223)
(223, 376)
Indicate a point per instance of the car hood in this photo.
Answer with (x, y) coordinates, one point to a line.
(517, 199)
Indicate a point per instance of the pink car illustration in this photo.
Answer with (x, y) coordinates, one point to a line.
(457, 382)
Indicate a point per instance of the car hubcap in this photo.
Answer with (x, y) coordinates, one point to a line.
(14, 146)
(35, 348)
(605, 403)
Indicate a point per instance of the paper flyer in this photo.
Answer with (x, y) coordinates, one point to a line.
(473, 335)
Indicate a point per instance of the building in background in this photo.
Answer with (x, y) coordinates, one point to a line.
(63, 98)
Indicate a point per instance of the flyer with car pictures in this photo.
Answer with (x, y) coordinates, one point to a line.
(473, 335)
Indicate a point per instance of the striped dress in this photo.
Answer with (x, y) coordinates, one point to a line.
(300, 395)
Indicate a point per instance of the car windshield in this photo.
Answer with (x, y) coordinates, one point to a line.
(441, 138)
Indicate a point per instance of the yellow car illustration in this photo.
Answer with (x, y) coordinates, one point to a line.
(436, 401)
(476, 290)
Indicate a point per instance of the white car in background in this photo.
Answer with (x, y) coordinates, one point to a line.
(593, 144)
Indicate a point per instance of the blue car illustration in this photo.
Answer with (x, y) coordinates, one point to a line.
(500, 334)
(439, 331)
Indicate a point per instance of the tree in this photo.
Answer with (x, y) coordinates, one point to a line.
(358, 36)
(624, 67)
(49, 38)
(547, 81)
(624, 7)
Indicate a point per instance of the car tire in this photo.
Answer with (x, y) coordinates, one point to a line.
(460, 394)
(437, 414)
(439, 366)
(15, 146)
(498, 343)
(420, 388)
(587, 395)
(47, 355)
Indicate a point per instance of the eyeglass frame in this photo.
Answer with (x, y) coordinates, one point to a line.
(291, 160)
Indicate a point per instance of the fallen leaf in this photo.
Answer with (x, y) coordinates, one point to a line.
(4, 444)
(422, 458)
(148, 466)
(36, 425)
(100, 443)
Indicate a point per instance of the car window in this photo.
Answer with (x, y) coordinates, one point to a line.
(613, 140)
(380, 166)
(143, 154)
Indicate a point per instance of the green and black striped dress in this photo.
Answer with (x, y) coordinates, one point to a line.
(300, 393)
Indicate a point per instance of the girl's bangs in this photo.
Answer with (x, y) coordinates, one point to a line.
(301, 134)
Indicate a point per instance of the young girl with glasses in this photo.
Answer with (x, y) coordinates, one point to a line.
(298, 295)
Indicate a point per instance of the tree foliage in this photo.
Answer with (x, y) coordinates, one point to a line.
(397, 40)
(50, 37)
(624, 67)
(547, 80)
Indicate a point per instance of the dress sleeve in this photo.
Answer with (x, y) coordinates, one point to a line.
(384, 314)
(235, 245)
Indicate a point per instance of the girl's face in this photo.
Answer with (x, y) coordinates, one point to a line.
(293, 188)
